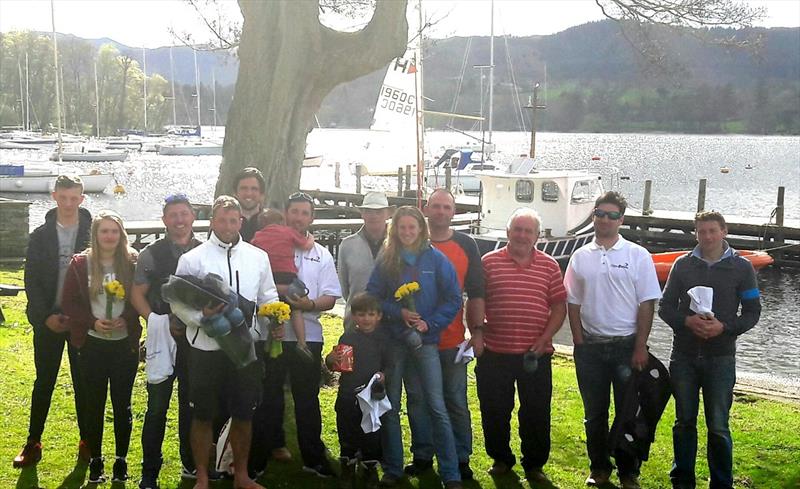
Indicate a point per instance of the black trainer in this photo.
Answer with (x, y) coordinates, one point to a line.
(120, 471)
(418, 467)
(96, 475)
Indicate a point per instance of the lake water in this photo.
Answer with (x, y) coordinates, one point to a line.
(675, 163)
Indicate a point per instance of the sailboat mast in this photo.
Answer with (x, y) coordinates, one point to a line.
(420, 110)
(27, 94)
(197, 87)
(144, 87)
(55, 72)
(21, 95)
(491, 71)
(96, 102)
(172, 80)
(214, 99)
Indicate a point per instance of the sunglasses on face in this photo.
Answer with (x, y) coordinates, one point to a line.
(613, 215)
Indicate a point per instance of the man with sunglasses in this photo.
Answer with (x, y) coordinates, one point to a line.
(316, 268)
(249, 188)
(155, 264)
(612, 289)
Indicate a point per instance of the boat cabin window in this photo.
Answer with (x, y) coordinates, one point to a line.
(454, 161)
(481, 166)
(550, 191)
(524, 191)
(585, 191)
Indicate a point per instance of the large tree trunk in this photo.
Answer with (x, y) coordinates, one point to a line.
(288, 63)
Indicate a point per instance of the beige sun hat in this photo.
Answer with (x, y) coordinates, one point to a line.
(375, 200)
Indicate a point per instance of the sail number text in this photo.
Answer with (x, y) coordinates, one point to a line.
(396, 100)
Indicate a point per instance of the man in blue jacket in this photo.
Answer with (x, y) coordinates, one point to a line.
(704, 347)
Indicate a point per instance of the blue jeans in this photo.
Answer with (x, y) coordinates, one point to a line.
(421, 371)
(599, 366)
(454, 380)
(716, 376)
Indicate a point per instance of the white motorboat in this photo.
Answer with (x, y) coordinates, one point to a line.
(190, 148)
(16, 145)
(82, 153)
(42, 179)
(463, 163)
(563, 198)
(312, 161)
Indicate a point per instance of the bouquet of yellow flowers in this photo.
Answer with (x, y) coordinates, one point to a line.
(405, 294)
(114, 291)
(277, 313)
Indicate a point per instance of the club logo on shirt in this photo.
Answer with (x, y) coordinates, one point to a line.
(622, 265)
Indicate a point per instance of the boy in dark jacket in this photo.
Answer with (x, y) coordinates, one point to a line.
(369, 357)
(50, 249)
(704, 347)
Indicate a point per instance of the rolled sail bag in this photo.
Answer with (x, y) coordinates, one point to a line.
(187, 295)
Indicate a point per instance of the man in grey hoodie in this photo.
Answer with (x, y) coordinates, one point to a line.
(357, 252)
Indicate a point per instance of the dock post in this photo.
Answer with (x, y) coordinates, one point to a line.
(337, 176)
(448, 177)
(400, 181)
(701, 195)
(408, 178)
(358, 179)
(648, 188)
(778, 255)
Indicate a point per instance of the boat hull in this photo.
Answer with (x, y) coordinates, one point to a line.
(560, 248)
(190, 150)
(44, 183)
(93, 157)
(664, 261)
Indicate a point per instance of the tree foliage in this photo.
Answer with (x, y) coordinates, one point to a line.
(119, 87)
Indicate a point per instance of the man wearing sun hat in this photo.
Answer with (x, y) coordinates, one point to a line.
(357, 252)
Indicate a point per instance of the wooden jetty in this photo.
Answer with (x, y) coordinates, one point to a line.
(337, 217)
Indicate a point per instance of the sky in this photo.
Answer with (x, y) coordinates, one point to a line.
(148, 22)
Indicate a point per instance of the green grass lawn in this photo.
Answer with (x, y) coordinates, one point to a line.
(766, 433)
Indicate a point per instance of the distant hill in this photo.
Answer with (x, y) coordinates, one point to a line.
(595, 81)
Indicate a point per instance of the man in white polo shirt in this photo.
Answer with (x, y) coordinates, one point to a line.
(316, 268)
(612, 289)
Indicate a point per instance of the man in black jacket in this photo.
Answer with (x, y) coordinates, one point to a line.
(50, 249)
(155, 265)
(704, 347)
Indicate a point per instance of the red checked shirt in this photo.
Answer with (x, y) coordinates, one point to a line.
(518, 299)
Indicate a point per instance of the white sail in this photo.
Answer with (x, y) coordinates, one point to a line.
(393, 143)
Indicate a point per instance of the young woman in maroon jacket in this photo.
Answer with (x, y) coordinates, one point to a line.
(108, 344)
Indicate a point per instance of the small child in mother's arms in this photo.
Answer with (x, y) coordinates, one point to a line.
(368, 355)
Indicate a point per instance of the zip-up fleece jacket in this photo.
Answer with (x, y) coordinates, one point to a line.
(437, 302)
(243, 267)
(77, 305)
(734, 282)
(41, 265)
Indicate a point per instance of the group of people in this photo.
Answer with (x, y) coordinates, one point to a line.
(421, 302)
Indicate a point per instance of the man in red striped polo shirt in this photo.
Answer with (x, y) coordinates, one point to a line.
(525, 306)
